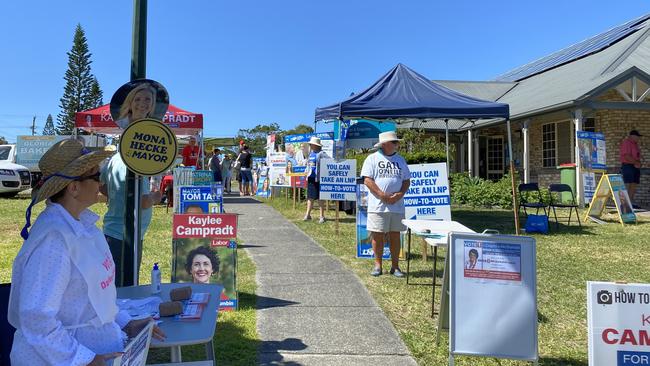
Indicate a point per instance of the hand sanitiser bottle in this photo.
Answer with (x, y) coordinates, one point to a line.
(155, 279)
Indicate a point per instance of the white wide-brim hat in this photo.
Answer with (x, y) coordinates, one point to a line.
(315, 141)
(387, 137)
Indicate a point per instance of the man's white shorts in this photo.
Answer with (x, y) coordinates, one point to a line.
(385, 222)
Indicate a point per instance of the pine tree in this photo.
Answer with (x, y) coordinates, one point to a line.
(49, 126)
(96, 94)
(77, 93)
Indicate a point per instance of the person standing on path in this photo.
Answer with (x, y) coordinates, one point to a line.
(226, 173)
(313, 178)
(245, 160)
(215, 166)
(388, 178)
(630, 155)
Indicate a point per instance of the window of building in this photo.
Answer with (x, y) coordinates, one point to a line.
(556, 144)
(589, 125)
(548, 145)
(495, 157)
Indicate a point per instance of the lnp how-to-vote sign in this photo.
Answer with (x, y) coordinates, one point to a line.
(428, 196)
(338, 180)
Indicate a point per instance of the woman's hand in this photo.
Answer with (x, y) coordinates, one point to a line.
(135, 326)
(100, 360)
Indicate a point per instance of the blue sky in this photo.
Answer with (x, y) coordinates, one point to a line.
(242, 63)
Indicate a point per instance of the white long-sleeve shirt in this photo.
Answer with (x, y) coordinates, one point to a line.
(53, 299)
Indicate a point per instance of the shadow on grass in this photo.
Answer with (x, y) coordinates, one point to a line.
(568, 229)
(426, 274)
(270, 351)
(541, 318)
(19, 197)
(344, 219)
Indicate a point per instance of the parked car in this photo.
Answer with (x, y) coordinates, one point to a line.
(14, 178)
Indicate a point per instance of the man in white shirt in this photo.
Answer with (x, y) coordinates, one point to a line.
(388, 178)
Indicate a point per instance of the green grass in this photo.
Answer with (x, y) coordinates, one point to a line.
(565, 261)
(236, 338)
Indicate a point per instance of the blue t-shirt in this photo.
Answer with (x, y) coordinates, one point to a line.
(312, 164)
(114, 177)
(388, 172)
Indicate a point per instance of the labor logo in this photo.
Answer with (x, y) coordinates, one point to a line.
(148, 147)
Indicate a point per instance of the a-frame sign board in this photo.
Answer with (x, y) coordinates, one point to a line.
(611, 186)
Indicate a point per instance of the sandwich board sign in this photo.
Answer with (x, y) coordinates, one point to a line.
(489, 273)
(611, 186)
(619, 324)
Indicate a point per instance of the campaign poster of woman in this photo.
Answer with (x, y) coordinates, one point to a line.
(198, 261)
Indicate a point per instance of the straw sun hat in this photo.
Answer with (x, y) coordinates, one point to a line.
(64, 162)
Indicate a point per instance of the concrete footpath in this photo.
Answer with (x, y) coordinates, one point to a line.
(311, 309)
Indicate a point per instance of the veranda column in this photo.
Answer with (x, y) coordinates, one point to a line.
(526, 158)
(577, 122)
(470, 153)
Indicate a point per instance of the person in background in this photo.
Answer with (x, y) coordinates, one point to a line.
(191, 153)
(138, 104)
(226, 173)
(388, 178)
(215, 166)
(63, 295)
(630, 155)
(313, 178)
(245, 160)
(113, 179)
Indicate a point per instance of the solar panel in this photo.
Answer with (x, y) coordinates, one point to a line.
(578, 50)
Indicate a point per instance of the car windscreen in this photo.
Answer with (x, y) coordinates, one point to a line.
(4, 152)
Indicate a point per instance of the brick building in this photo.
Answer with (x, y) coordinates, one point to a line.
(601, 84)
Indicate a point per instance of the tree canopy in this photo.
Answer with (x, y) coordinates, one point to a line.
(48, 129)
(81, 89)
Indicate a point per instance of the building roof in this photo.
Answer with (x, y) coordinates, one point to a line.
(488, 90)
(579, 50)
(559, 81)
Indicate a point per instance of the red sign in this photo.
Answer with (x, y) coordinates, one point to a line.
(211, 226)
(99, 119)
(299, 181)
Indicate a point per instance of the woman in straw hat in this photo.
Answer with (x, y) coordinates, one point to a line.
(62, 300)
